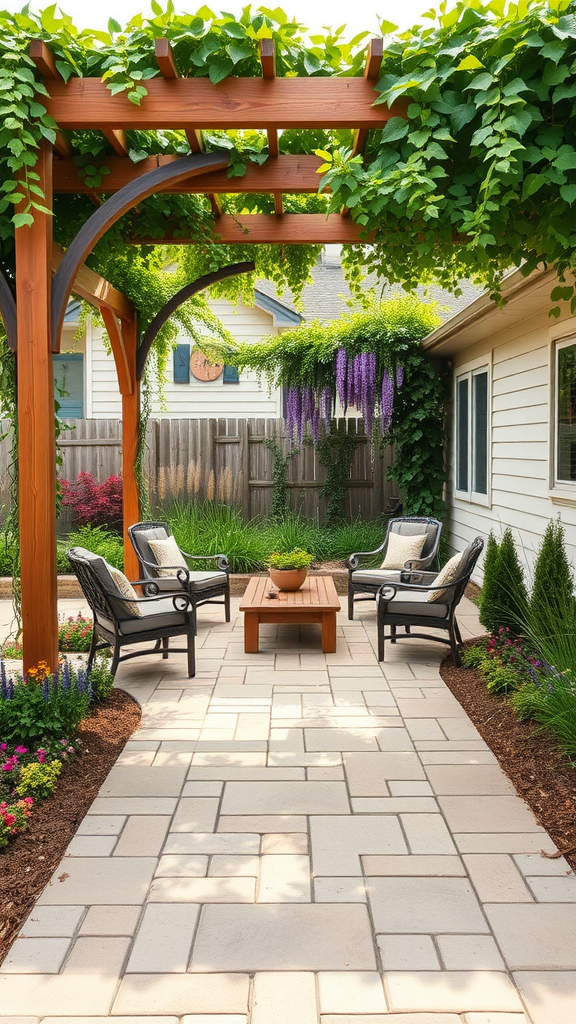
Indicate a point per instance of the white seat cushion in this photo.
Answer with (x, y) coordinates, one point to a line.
(153, 616)
(415, 602)
(376, 576)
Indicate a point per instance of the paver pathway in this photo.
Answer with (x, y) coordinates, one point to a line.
(299, 838)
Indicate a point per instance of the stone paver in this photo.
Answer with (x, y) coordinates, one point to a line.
(294, 838)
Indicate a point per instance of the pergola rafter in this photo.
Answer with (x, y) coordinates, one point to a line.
(266, 103)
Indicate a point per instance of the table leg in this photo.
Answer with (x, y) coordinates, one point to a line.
(329, 632)
(251, 632)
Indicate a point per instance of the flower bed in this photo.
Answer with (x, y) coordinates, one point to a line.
(30, 859)
(40, 715)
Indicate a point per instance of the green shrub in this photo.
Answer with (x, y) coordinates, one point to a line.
(552, 609)
(474, 657)
(207, 528)
(43, 707)
(98, 539)
(505, 600)
(101, 681)
(295, 559)
(551, 702)
(38, 780)
(500, 678)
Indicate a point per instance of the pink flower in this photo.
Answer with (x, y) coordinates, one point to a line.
(20, 750)
(9, 819)
(3, 746)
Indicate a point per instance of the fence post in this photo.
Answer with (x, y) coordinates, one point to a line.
(244, 467)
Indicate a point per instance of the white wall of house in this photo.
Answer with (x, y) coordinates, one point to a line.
(195, 400)
(517, 346)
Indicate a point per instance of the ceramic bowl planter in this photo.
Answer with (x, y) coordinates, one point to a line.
(288, 569)
(288, 579)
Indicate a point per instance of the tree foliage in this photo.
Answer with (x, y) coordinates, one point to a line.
(504, 600)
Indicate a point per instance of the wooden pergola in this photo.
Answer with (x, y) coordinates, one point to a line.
(46, 276)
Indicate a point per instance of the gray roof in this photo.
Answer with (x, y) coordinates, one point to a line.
(326, 298)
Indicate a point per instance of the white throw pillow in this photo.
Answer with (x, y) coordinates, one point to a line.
(450, 572)
(123, 585)
(167, 553)
(401, 548)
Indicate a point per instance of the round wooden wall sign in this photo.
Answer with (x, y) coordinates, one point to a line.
(202, 369)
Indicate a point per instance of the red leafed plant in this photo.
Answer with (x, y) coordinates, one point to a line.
(94, 504)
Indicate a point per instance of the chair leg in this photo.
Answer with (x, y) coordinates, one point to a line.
(407, 628)
(457, 631)
(350, 601)
(92, 653)
(227, 601)
(165, 647)
(191, 654)
(393, 634)
(381, 640)
(115, 659)
(454, 646)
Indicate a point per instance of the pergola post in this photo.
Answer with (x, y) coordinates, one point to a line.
(130, 428)
(36, 434)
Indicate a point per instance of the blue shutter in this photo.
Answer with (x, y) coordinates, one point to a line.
(182, 364)
(231, 375)
(69, 385)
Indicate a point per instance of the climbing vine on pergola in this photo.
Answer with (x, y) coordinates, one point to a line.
(448, 151)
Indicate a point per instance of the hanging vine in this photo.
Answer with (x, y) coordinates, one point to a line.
(371, 362)
(280, 504)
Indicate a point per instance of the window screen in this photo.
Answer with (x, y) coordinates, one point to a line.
(480, 427)
(69, 385)
(462, 443)
(566, 414)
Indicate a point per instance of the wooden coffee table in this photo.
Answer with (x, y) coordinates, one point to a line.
(316, 601)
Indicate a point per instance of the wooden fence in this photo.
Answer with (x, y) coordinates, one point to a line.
(220, 459)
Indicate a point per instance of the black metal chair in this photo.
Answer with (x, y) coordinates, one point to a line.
(202, 587)
(407, 604)
(120, 621)
(368, 582)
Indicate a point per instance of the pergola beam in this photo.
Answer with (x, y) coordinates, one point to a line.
(371, 73)
(234, 103)
(168, 69)
(95, 289)
(287, 173)
(290, 229)
(111, 211)
(118, 141)
(44, 60)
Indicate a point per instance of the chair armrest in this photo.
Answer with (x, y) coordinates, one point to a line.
(178, 569)
(352, 561)
(419, 587)
(185, 600)
(221, 560)
(417, 563)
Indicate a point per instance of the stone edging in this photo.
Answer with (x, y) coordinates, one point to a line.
(68, 586)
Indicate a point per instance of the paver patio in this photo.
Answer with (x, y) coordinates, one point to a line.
(299, 838)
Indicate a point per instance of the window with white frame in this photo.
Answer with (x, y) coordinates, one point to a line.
(472, 435)
(565, 426)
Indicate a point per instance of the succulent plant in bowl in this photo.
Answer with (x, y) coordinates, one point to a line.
(288, 569)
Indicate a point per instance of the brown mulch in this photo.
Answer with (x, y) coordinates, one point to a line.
(530, 757)
(30, 859)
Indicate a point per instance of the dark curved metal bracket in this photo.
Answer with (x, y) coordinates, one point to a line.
(8, 312)
(110, 212)
(172, 305)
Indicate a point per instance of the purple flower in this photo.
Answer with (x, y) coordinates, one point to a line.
(399, 376)
(387, 401)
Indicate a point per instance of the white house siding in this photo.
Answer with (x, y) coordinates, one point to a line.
(195, 400)
(520, 470)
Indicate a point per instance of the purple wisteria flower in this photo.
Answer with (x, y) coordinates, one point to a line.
(387, 401)
(399, 376)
